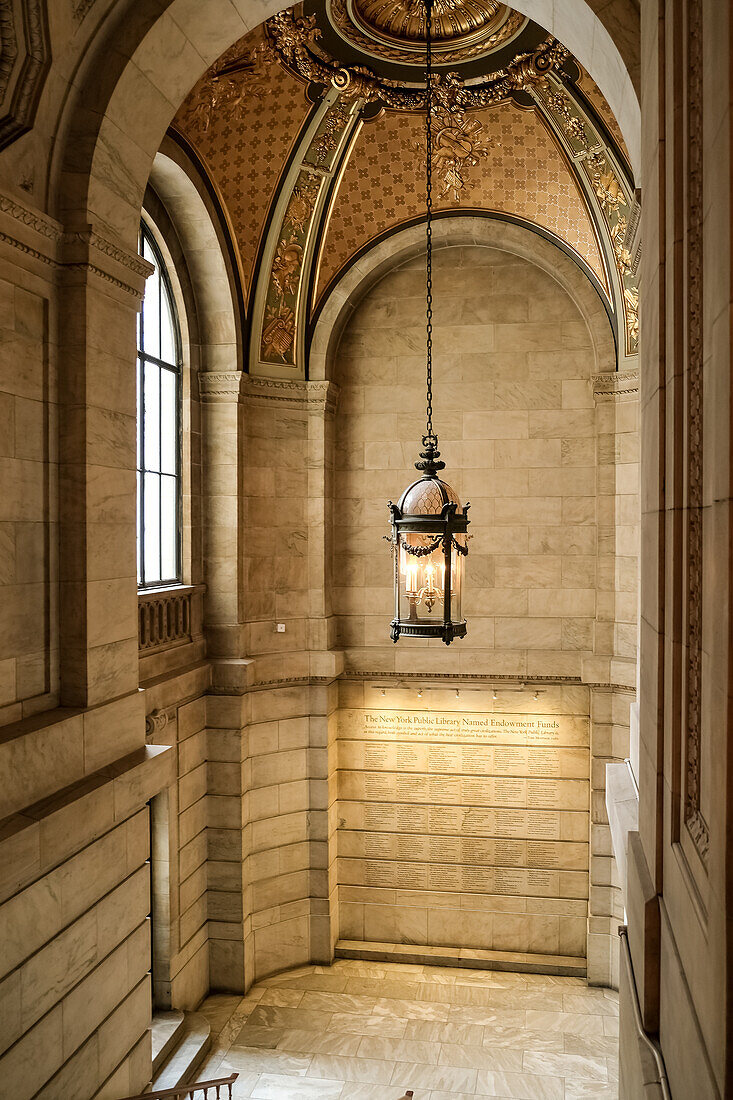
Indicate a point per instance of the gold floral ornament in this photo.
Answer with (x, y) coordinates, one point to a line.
(609, 191)
(293, 41)
(286, 267)
(237, 76)
(279, 331)
(618, 239)
(301, 206)
(572, 125)
(631, 300)
(458, 144)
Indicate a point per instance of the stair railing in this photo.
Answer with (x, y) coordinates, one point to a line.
(212, 1090)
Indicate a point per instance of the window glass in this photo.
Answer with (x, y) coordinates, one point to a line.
(158, 432)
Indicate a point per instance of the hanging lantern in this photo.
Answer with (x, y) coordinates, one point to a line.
(429, 540)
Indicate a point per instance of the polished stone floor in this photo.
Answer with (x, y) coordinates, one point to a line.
(369, 1031)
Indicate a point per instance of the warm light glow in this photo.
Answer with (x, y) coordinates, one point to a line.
(424, 578)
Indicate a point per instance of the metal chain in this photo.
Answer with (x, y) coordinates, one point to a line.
(429, 212)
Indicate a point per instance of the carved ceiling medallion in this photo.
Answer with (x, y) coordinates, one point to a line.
(394, 30)
(404, 20)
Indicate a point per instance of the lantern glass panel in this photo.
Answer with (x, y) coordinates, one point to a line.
(456, 594)
(422, 583)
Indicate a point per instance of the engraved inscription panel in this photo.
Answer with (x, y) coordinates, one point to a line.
(470, 811)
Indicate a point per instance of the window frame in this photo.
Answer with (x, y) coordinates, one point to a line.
(146, 236)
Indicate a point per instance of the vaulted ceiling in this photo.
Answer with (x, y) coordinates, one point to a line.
(322, 108)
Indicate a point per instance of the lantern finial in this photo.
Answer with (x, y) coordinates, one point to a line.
(431, 454)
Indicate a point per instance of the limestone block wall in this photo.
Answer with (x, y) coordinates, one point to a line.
(268, 850)
(74, 901)
(518, 426)
(276, 548)
(180, 876)
(28, 529)
(540, 434)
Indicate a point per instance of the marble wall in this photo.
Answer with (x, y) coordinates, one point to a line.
(28, 527)
(464, 821)
(678, 865)
(549, 470)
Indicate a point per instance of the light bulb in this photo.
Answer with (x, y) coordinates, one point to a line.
(419, 693)
(383, 693)
(458, 694)
(495, 696)
(536, 696)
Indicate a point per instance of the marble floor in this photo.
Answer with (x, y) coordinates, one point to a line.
(369, 1031)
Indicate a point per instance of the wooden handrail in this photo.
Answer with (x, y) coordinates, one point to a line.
(182, 1092)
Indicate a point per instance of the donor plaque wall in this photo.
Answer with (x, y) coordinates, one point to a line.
(464, 829)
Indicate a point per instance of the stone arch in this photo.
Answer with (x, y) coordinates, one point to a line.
(148, 60)
(205, 245)
(507, 236)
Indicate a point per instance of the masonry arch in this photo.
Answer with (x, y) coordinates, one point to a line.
(397, 248)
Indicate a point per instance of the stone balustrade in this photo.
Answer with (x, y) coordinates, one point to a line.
(164, 617)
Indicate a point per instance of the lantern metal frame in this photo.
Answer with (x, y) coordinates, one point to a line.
(448, 525)
(443, 526)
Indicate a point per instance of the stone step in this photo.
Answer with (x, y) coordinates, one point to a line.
(166, 1032)
(183, 1059)
(567, 966)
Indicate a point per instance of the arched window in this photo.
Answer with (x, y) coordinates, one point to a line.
(158, 428)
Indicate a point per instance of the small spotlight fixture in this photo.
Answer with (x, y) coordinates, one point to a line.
(419, 693)
(536, 696)
(383, 693)
(458, 694)
(495, 696)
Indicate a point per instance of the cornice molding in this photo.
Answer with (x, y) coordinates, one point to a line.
(34, 219)
(71, 250)
(91, 239)
(450, 679)
(294, 394)
(616, 385)
(213, 384)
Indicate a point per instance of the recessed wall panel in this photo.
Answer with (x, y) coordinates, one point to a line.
(464, 828)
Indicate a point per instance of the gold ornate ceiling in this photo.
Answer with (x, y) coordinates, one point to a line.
(394, 30)
(522, 173)
(405, 20)
(299, 104)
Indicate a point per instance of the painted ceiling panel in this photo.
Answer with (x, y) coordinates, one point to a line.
(521, 171)
(245, 140)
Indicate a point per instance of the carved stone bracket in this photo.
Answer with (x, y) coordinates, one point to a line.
(156, 721)
(616, 385)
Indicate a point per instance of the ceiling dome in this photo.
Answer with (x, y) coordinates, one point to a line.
(403, 21)
(394, 30)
